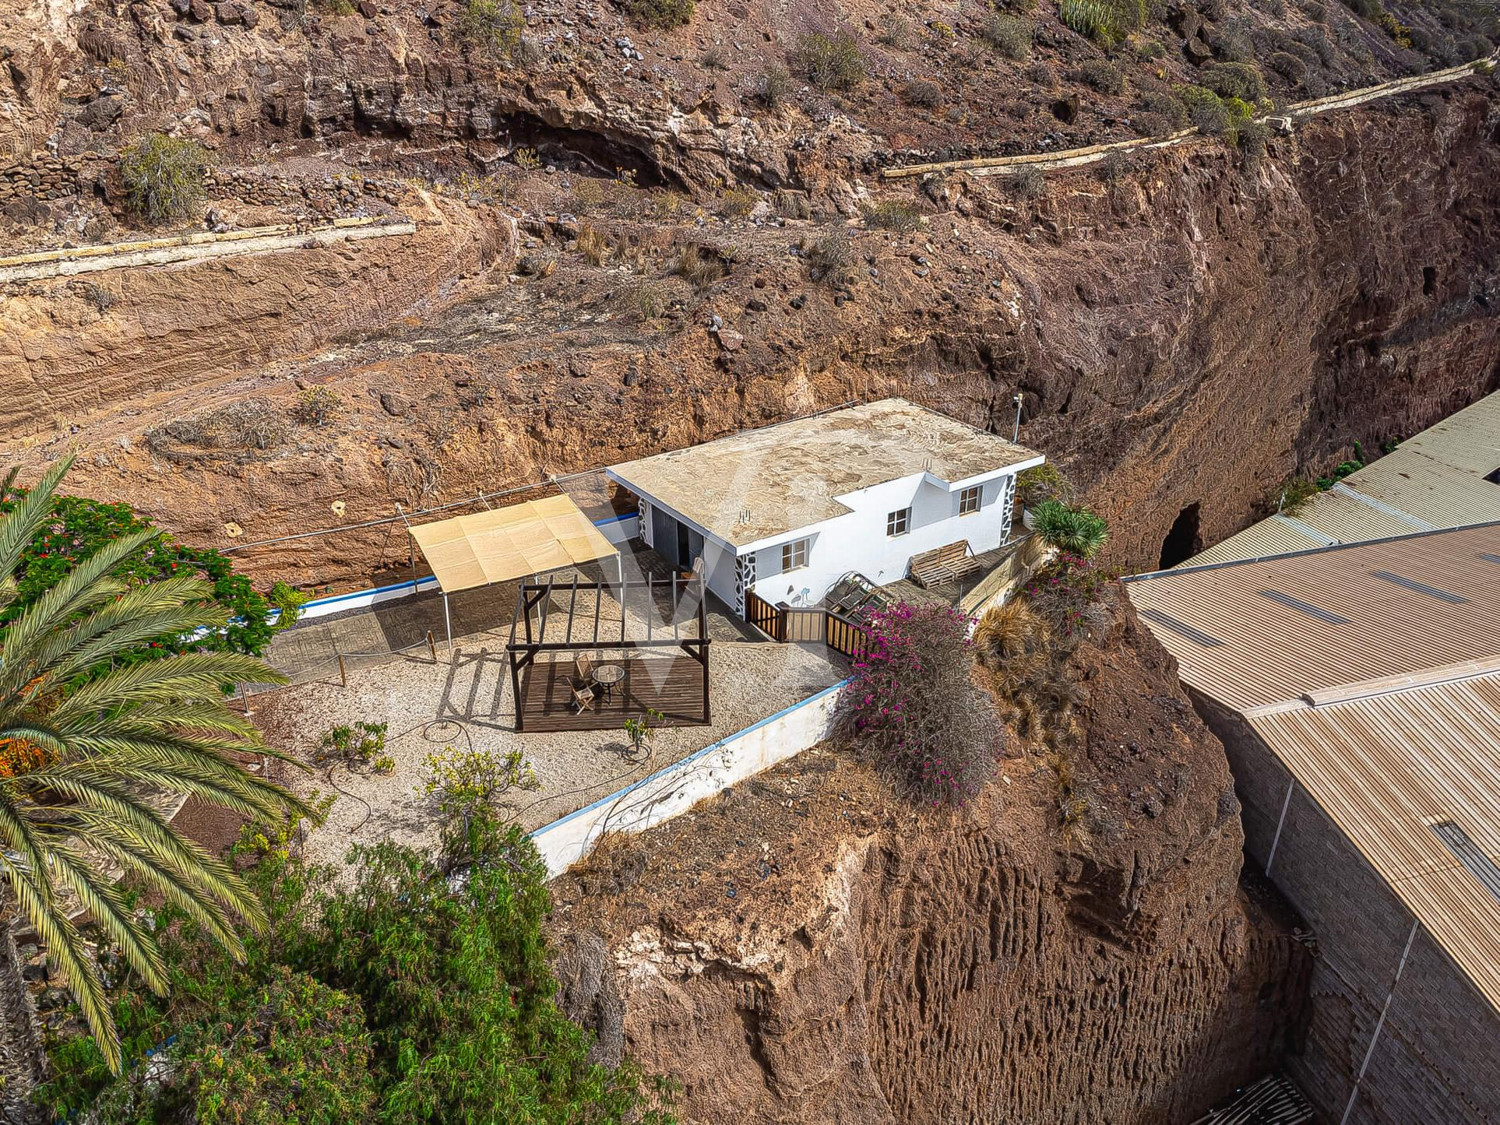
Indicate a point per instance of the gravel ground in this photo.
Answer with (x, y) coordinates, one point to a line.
(429, 706)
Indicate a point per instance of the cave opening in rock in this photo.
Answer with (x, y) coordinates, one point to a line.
(1185, 539)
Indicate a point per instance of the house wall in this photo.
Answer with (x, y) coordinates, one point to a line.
(1436, 1059)
(857, 540)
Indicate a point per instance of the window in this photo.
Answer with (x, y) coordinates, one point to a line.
(897, 523)
(968, 500)
(794, 555)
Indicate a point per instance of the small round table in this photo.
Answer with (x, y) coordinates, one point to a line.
(607, 676)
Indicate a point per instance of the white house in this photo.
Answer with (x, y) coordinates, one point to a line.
(788, 510)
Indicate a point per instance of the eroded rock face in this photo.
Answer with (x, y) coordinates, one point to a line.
(808, 949)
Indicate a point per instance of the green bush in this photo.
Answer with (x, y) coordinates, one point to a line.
(163, 176)
(660, 13)
(1042, 482)
(831, 62)
(1215, 116)
(1009, 35)
(417, 990)
(1073, 531)
(80, 526)
(492, 26)
(1168, 107)
(1106, 22)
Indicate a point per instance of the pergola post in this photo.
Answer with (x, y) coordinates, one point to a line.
(448, 622)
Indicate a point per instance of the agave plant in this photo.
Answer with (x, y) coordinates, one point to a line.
(1073, 531)
(89, 745)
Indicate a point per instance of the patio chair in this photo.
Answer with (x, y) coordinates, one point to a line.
(583, 699)
(583, 670)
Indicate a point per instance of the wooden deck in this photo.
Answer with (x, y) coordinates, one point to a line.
(672, 685)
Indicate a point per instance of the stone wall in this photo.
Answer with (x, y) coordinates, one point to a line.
(1434, 1061)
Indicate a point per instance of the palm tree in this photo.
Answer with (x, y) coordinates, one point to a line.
(1073, 531)
(86, 738)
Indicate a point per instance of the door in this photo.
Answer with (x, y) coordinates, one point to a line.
(684, 548)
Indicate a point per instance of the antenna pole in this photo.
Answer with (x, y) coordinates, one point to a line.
(1015, 436)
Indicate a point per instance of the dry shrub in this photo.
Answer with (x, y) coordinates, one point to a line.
(1028, 183)
(252, 423)
(648, 300)
(893, 214)
(831, 62)
(737, 203)
(791, 204)
(698, 268)
(924, 93)
(1019, 649)
(831, 257)
(593, 245)
(614, 864)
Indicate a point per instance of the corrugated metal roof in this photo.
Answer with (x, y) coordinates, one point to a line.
(1432, 480)
(1268, 651)
(1389, 767)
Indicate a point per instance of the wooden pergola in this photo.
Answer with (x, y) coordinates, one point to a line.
(548, 621)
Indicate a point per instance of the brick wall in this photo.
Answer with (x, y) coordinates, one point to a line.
(1437, 1060)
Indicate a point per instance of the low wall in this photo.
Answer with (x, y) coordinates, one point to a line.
(676, 788)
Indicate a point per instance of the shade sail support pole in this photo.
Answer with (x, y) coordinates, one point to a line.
(448, 622)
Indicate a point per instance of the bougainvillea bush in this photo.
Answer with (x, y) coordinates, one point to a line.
(1067, 593)
(914, 709)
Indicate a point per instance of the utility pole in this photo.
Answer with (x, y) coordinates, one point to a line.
(1015, 436)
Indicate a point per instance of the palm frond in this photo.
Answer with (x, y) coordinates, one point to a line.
(107, 906)
(69, 952)
(21, 524)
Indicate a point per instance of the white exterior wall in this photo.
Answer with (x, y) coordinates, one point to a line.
(857, 540)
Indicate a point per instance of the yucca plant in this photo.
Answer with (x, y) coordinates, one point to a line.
(1073, 531)
(87, 751)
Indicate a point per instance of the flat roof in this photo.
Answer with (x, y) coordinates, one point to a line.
(1433, 480)
(1412, 777)
(757, 484)
(1253, 633)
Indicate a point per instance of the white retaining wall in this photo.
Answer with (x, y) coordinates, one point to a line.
(676, 788)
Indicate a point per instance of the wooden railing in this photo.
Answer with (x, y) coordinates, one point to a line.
(764, 616)
(802, 625)
(845, 636)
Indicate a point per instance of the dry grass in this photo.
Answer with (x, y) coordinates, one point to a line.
(1018, 649)
(593, 245)
(614, 864)
(698, 268)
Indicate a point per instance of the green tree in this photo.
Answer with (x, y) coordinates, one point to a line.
(82, 744)
(75, 527)
(1073, 531)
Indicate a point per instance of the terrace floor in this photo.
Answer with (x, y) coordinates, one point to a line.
(467, 701)
(670, 685)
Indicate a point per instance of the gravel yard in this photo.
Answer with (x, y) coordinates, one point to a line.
(468, 701)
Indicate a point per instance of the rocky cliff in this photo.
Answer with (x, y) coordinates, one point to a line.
(807, 948)
(1187, 334)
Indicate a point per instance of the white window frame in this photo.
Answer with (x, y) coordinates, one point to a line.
(898, 523)
(792, 552)
(975, 494)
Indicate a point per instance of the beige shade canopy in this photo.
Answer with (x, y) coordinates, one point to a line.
(497, 546)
